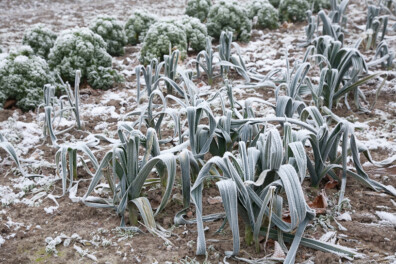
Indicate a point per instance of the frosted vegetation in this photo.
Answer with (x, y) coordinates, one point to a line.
(186, 125)
(137, 26)
(267, 15)
(22, 78)
(82, 49)
(112, 32)
(293, 10)
(198, 8)
(41, 39)
(229, 16)
(196, 32)
(161, 39)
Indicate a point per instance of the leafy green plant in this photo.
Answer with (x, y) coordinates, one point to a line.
(374, 25)
(205, 60)
(275, 3)
(327, 159)
(331, 29)
(337, 13)
(310, 29)
(130, 174)
(319, 4)
(55, 108)
(22, 78)
(161, 39)
(256, 198)
(385, 54)
(293, 10)
(151, 73)
(137, 26)
(66, 159)
(198, 9)
(341, 73)
(41, 39)
(112, 32)
(196, 32)
(4, 144)
(229, 16)
(267, 15)
(170, 68)
(82, 49)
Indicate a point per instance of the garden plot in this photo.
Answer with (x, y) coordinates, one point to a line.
(147, 168)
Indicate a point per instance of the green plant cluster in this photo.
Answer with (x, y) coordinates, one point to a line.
(41, 39)
(293, 10)
(82, 49)
(22, 78)
(267, 14)
(229, 15)
(112, 32)
(137, 26)
(319, 4)
(196, 32)
(163, 37)
(198, 9)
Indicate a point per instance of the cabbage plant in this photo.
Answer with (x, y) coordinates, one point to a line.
(41, 39)
(112, 32)
(137, 26)
(163, 38)
(198, 9)
(22, 78)
(293, 10)
(82, 49)
(229, 15)
(196, 32)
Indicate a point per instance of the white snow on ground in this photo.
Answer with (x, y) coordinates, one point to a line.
(387, 218)
(2, 240)
(26, 135)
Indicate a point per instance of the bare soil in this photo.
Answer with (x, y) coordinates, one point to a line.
(377, 241)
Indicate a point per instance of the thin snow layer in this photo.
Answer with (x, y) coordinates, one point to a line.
(16, 16)
(22, 135)
(2, 240)
(387, 218)
(101, 111)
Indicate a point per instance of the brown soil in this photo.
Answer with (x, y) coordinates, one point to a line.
(28, 245)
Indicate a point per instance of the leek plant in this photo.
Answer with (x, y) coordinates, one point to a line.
(337, 13)
(252, 185)
(66, 160)
(55, 108)
(331, 29)
(4, 144)
(342, 72)
(375, 25)
(129, 173)
(205, 60)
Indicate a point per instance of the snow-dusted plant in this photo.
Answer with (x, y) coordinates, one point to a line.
(41, 39)
(254, 6)
(22, 78)
(275, 3)
(229, 15)
(112, 32)
(319, 4)
(293, 10)
(196, 32)
(82, 49)
(267, 14)
(198, 9)
(163, 37)
(137, 26)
